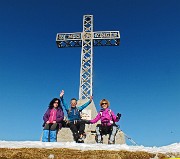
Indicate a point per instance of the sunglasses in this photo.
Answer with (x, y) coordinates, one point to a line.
(56, 102)
(103, 103)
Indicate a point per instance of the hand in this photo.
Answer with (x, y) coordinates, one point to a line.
(54, 122)
(61, 93)
(118, 116)
(47, 122)
(87, 122)
(91, 98)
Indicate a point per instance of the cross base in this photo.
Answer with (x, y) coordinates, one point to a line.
(65, 135)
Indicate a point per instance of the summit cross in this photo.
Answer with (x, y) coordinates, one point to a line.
(87, 39)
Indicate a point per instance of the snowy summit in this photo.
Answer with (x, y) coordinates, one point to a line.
(173, 148)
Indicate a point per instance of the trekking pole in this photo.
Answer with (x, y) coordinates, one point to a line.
(129, 138)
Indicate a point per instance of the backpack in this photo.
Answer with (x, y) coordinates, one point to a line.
(108, 111)
(110, 114)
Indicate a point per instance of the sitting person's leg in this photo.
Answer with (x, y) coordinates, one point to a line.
(99, 133)
(74, 131)
(112, 134)
(81, 128)
(53, 132)
(45, 136)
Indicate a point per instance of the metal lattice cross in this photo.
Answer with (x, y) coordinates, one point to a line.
(87, 39)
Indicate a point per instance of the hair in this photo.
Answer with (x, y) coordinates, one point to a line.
(105, 100)
(74, 99)
(53, 101)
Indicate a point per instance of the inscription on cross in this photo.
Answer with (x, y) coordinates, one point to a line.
(87, 39)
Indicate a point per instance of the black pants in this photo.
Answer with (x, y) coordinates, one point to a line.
(104, 130)
(51, 126)
(77, 128)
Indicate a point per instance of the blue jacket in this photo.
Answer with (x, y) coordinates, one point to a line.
(74, 113)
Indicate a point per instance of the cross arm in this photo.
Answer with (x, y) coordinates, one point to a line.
(106, 38)
(68, 40)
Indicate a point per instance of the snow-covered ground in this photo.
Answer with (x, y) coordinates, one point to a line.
(173, 148)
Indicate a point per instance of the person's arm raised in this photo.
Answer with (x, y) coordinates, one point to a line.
(86, 104)
(63, 102)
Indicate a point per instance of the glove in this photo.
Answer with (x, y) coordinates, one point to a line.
(118, 116)
(87, 122)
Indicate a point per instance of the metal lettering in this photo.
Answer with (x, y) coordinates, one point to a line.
(68, 36)
(60, 37)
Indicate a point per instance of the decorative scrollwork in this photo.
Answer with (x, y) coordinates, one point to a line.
(87, 35)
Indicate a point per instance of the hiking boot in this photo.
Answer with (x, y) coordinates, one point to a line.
(81, 138)
(100, 142)
(99, 139)
(84, 136)
(111, 142)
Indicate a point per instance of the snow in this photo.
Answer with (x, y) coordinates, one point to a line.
(173, 148)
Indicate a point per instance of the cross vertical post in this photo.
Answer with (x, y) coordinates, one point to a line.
(85, 88)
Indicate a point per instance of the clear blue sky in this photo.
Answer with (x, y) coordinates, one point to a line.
(140, 78)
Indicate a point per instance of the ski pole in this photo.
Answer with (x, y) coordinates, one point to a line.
(129, 138)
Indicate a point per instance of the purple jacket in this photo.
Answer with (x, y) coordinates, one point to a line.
(59, 116)
(106, 116)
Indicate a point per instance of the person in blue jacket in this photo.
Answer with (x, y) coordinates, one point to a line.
(75, 123)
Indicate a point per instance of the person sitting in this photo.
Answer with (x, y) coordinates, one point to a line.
(52, 121)
(74, 121)
(107, 126)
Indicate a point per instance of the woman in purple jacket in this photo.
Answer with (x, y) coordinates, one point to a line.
(107, 126)
(52, 121)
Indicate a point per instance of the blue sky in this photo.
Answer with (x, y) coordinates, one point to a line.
(140, 78)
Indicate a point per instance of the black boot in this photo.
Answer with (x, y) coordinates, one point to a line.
(81, 138)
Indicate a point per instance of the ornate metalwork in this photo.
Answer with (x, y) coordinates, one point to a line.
(87, 39)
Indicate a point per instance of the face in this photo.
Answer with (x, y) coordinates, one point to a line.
(73, 103)
(55, 104)
(104, 104)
